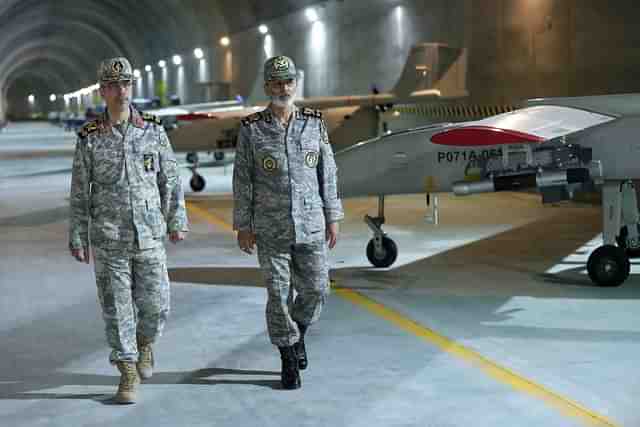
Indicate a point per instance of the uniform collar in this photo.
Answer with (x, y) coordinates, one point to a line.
(134, 118)
(295, 112)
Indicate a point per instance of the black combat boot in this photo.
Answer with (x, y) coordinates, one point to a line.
(290, 376)
(301, 350)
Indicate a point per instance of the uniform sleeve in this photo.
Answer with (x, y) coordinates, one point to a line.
(170, 186)
(328, 179)
(243, 183)
(79, 198)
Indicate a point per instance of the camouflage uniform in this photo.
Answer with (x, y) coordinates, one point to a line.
(125, 196)
(285, 191)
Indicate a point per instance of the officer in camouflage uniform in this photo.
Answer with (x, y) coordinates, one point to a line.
(286, 202)
(126, 196)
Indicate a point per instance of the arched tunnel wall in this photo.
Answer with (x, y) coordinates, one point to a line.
(74, 35)
(516, 48)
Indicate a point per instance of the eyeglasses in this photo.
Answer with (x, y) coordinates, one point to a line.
(124, 84)
(282, 83)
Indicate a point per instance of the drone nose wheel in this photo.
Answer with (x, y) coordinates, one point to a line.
(197, 182)
(384, 256)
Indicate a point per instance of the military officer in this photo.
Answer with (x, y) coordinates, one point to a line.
(125, 197)
(286, 203)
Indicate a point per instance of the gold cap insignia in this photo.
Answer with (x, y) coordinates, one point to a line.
(280, 63)
(118, 66)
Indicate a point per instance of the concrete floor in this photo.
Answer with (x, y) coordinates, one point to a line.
(487, 319)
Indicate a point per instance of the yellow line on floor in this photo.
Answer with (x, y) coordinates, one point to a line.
(499, 373)
(208, 216)
(503, 375)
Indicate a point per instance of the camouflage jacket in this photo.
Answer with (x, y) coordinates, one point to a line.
(124, 187)
(284, 179)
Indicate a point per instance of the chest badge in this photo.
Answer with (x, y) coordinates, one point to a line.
(311, 159)
(269, 164)
(147, 161)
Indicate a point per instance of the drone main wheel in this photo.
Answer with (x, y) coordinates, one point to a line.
(386, 257)
(608, 265)
(197, 182)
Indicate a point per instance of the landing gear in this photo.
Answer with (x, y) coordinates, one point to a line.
(609, 264)
(384, 257)
(630, 244)
(192, 158)
(381, 250)
(197, 182)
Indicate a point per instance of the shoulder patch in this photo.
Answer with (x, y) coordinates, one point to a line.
(87, 129)
(306, 111)
(151, 118)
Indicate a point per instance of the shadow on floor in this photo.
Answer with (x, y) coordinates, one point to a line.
(31, 388)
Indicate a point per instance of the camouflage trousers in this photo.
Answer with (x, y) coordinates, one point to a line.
(133, 289)
(287, 268)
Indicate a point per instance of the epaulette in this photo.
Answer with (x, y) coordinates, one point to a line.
(87, 129)
(306, 111)
(151, 118)
(255, 117)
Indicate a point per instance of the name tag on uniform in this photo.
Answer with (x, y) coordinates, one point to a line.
(149, 164)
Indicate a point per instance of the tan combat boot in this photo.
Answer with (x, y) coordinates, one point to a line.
(145, 359)
(128, 381)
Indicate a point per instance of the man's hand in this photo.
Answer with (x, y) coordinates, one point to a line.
(246, 241)
(81, 255)
(176, 236)
(332, 234)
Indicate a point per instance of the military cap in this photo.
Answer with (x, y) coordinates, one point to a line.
(279, 68)
(115, 69)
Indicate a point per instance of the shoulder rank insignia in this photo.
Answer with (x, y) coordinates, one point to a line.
(151, 118)
(306, 111)
(87, 129)
(255, 117)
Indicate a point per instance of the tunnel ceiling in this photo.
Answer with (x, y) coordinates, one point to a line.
(62, 41)
(242, 14)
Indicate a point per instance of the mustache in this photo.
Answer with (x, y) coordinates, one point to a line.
(283, 98)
